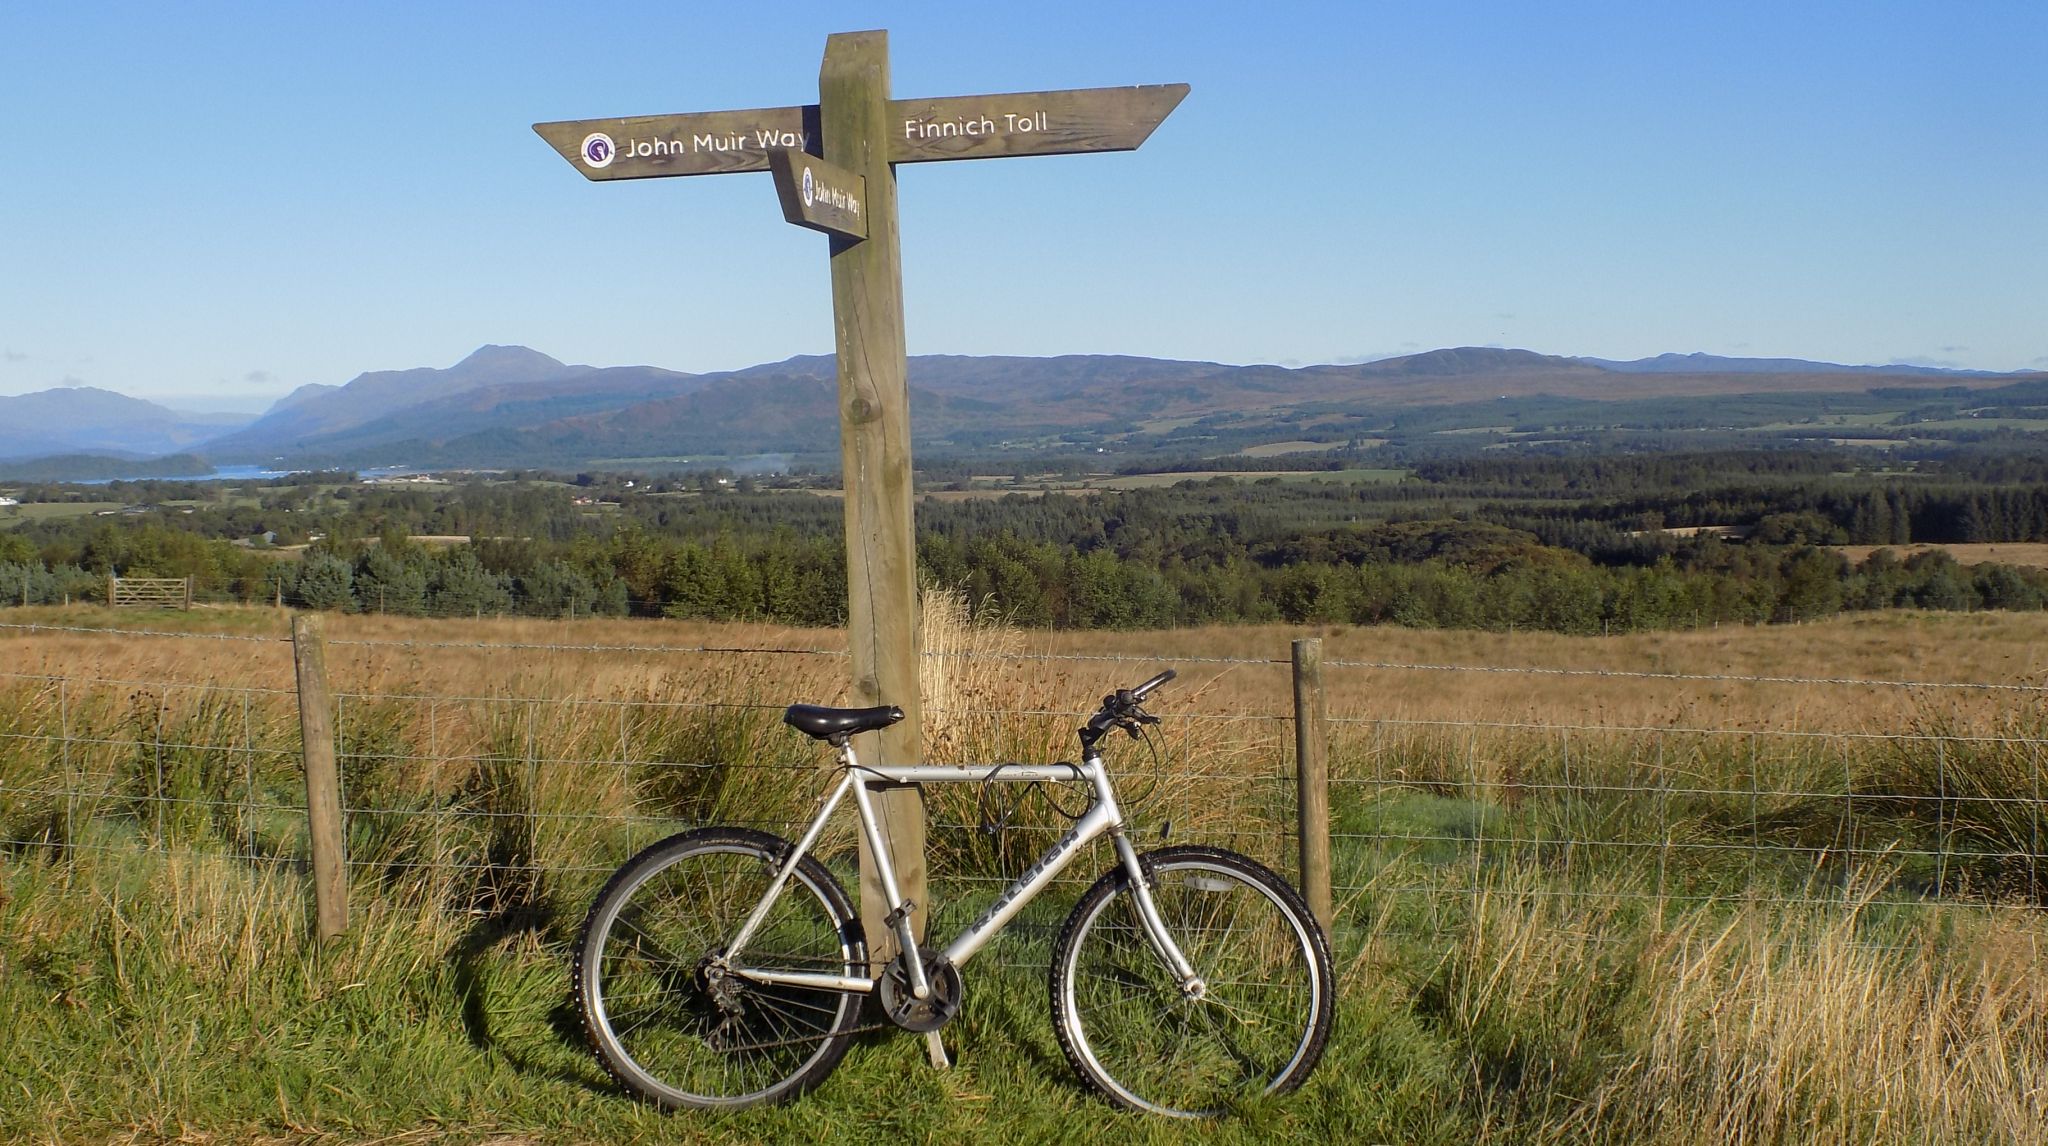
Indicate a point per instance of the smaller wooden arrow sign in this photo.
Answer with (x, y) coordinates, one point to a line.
(818, 195)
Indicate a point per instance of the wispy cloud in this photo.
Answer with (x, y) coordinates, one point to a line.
(259, 377)
(1955, 349)
(14, 355)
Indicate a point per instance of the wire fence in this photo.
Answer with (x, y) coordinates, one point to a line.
(514, 791)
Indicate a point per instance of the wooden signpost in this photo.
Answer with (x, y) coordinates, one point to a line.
(834, 167)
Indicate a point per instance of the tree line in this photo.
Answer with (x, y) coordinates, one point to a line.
(1561, 543)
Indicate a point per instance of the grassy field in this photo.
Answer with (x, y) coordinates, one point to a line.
(995, 487)
(1563, 916)
(2025, 425)
(1278, 449)
(15, 515)
(2032, 553)
(1346, 477)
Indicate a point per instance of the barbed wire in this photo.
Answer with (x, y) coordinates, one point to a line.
(1682, 730)
(540, 646)
(154, 682)
(1719, 678)
(112, 632)
(1707, 897)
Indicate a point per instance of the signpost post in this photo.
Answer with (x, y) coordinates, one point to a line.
(834, 168)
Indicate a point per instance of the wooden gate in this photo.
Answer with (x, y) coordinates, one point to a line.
(149, 592)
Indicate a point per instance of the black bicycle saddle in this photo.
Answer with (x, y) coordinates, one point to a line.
(830, 723)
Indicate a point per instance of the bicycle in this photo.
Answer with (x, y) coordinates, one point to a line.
(724, 967)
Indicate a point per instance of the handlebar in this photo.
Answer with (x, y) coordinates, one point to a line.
(1120, 708)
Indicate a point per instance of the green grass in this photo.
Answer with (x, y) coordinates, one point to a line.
(364, 1040)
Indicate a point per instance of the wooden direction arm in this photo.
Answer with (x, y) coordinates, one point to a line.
(919, 131)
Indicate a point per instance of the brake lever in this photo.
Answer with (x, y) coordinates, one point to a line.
(1132, 720)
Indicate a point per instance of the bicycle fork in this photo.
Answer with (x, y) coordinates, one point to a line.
(1191, 984)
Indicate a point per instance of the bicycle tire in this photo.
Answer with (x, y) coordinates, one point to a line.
(655, 1022)
(1123, 1022)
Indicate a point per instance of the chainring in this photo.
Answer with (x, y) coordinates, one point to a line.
(911, 1013)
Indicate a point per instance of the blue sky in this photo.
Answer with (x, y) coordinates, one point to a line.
(214, 203)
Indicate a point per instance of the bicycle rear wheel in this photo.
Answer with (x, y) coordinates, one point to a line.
(1262, 1021)
(660, 1017)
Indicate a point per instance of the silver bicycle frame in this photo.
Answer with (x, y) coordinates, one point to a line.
(1102, 816)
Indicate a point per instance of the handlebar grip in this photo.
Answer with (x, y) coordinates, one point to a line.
(1139, 692)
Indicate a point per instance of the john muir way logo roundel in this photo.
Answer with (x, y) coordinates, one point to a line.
(810, 188)
(599, 150)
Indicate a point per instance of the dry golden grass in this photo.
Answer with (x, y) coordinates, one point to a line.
(1984, 648)
(1798, 1030)
(1768, 1023)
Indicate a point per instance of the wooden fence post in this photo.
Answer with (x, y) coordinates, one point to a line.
(323, 781)
(1312, 775)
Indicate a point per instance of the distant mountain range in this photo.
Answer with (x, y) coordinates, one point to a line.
(509, 405)
(1715, 364)
(85, 420)
(495, 388)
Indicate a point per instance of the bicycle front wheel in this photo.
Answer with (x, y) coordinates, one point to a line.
(1260, 1023)
(663, 1018)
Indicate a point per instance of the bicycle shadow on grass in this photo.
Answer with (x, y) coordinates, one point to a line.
(519, 1006)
